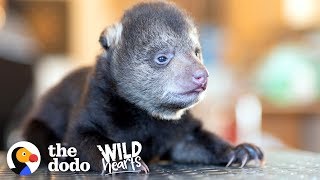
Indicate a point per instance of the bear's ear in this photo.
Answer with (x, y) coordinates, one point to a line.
(111, 36)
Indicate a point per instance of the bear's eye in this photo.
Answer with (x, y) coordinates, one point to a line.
(197, 52)
(24, 154)
(163, 59)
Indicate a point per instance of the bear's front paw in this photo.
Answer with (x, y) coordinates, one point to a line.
(244, 153)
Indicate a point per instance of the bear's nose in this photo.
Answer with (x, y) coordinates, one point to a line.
(200, 77)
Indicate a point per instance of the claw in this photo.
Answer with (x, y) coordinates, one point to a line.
(230, 161)
(260, 156)
(103, 172)
(145, 167)
(244, 161)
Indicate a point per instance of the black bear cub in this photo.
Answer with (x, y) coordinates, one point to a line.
(149, 74)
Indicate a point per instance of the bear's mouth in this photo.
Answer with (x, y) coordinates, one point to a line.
(187, 99)
(196, 90)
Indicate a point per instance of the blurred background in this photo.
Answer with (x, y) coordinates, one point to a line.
(263, 58)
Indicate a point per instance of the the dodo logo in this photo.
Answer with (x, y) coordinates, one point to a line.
(23, 158)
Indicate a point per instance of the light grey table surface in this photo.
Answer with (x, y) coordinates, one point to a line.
(284, 164)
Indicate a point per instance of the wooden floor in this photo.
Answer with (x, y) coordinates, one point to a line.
(279, 165)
